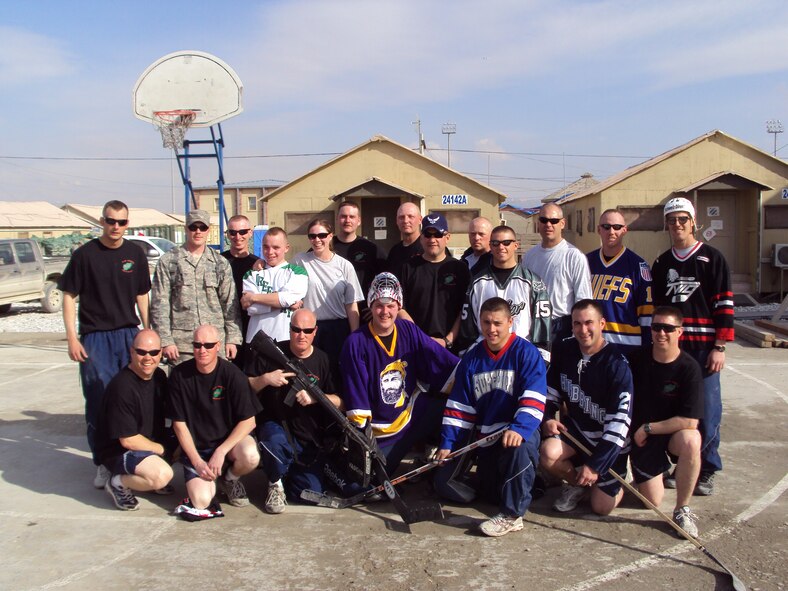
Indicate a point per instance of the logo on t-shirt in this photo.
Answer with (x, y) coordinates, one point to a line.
(670, 389)
(127, 266)
(450, 280)
(360, 257)
(217, 393)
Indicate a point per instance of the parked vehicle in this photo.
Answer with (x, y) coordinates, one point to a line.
(153, 247)
(26, 276)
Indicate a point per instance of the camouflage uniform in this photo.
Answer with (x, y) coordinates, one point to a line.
(188, 293)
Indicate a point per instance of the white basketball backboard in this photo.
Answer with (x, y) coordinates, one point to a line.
(192, 80)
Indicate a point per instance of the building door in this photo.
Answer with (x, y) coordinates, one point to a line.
(719, 211)
(379, 220)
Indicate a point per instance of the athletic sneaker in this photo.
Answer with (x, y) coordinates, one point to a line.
(102, 475)
(669, 478)
(570, 498)
(275, 501)
(501, 525)
(123, 498)
(686, 520)
(705, 486)
(234, 491)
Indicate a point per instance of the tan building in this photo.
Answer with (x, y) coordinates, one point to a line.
(239, 199)
(740, 195)
(142, 220)
(379, 175)
(38, 219)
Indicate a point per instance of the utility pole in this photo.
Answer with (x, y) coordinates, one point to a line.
(422, 144)
(774, 126)
(448, 130)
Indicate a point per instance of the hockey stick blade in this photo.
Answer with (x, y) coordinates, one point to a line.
(735, 581)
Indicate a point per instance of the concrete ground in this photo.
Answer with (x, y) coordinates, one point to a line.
(61, 533)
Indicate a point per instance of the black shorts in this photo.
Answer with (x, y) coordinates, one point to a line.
(188, 470)
(652, 459)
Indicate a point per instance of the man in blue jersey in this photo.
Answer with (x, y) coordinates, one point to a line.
(621, 283)
(500, 384)
(592, 378)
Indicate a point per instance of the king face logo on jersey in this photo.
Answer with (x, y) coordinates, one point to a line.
(392, 383)
(679, 289)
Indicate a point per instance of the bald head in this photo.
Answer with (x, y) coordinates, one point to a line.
(479, 235)
(409, 221)
(145, 354)
(206, 333)
(551, 224)
(304, 315)
(147, 338)
(303, 329)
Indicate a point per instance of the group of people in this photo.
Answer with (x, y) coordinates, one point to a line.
(417, 348)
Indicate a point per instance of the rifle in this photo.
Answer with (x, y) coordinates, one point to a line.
(374, 462)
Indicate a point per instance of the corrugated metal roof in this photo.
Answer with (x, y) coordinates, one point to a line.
(38, 214)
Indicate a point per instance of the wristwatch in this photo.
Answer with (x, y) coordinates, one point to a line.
(647, 428)
(720, 348)
(447, 340)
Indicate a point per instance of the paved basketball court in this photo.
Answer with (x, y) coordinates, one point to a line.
(61, 533)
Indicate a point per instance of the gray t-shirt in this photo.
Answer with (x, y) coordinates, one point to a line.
(332, 285)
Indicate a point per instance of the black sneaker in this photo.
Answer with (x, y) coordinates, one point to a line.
(123, 498)
(705, 486)
(669, 478)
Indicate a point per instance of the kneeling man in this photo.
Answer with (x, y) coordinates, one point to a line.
(212, 410)
(500, 384)
(131, 433)
(668, 405)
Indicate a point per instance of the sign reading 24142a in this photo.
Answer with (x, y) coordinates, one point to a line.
(454, 200)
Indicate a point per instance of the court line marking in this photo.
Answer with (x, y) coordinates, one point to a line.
(766, 385)
(28, 376)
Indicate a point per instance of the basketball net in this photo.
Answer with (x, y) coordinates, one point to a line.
(173, 126)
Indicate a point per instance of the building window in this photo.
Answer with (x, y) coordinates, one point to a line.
(458, 220)
(579, 227)
(591, 219)
(296, 222)
(775, 217)
(216, 204)
(251, 201)
(643, 219)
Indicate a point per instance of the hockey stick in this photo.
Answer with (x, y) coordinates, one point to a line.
(335, 502)
(374, 461)
(737, 584)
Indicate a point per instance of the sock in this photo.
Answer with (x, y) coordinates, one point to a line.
(230, 476)
(116, 482)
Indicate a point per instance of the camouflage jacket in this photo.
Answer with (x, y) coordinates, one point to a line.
(189, 292)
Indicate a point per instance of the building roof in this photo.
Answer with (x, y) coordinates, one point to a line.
(379, 180)
(720, 176)
(586, 181)
(38, 214)
(378, 139)
(264, 184)
(637, 168)
(139, 216)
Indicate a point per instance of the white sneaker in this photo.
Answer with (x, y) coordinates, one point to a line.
(275, 501)
(501, 524)
(234, 491)
(570, 498)
(686, 520)
(102, 475)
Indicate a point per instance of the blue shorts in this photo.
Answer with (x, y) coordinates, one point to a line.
(127, 462)
(605, 482)
(189, 472)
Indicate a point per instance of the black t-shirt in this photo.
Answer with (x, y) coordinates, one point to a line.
(211, 404)
(367, 258)
(665, 390)
(107, 281)
(241, 266)
(306, 423)
(434, 293)
(130, 406)
(401, 254)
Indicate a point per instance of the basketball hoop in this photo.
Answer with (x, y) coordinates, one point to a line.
(173, 126)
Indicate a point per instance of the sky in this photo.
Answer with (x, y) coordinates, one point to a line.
(540, 91)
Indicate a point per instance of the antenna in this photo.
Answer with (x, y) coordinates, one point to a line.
(422, 144)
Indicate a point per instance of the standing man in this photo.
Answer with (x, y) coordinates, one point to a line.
(434, 284)
(272, 294)
(499, 385)
(562, 267)
(593, 379)
(386, 366)
(110, 277)
(408, 223)
(477, 255)
(367, 258)
(621, 282)
(528, 299)
(239, 231)
(212, 410)
(668, 404)
(193, 285)
(131, 437)
(695, 278)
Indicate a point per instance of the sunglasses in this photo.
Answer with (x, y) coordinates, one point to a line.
(681, 219)
(553, 221)
(113, 221)
(208, 346)
(507, 242)
(615, 227)
(241, 232)
(321, 235)
(299, 330)
(196, 227)
(431, 234)
(143, 352)
(666, 328)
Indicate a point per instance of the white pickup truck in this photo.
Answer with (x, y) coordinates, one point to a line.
(27, 276)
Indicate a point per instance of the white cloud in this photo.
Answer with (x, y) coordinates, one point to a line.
(27, 57)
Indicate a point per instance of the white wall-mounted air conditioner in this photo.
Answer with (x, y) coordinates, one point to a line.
(780, 256)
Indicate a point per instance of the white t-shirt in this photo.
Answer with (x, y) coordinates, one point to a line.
(332, 285)
(564, 270)
(290, 282)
